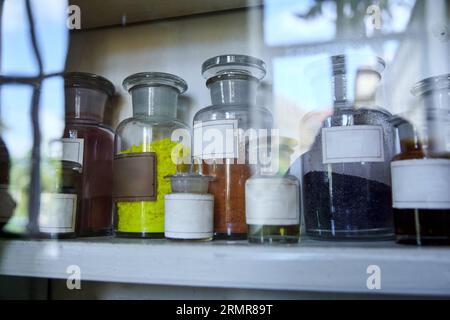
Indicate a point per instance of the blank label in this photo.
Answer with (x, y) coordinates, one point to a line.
(352, 144)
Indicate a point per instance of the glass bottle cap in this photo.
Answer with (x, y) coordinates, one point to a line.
(148, 79)
(234, 63)
(89, 81)
(440, 82)
(189, 182)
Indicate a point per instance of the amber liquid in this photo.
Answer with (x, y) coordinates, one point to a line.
(95, 215)
(422, 227)
(228, 189)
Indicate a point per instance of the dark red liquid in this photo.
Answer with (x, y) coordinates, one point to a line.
(95, 214)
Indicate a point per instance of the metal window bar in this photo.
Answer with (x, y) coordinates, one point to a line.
(36, 82)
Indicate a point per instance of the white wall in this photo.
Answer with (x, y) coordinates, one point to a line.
(177, 46)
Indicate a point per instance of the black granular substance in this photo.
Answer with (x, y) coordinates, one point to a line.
(351, 207)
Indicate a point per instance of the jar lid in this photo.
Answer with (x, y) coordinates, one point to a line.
(440, 82)
(189, 182)
(89, 81)
(149, 79)
(234, 63)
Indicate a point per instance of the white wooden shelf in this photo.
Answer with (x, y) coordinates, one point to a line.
(309, 266)
(101, 13)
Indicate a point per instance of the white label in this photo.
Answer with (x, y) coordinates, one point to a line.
(272, 202)
(189, 216)
(73, 150)
(58, 213)
(7, 204)
(352, 144)
(216, 139)
(421, 184)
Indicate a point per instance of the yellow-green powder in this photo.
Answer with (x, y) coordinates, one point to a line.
(148, 216)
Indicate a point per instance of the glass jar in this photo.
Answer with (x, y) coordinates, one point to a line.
(409, 145)
(434, 95)
(421, 177)
(145, 152)
(232, 81)
(189, 209)
(272, 197)
(346, 172)
(60, 203)
(89, 144)
(7, 204)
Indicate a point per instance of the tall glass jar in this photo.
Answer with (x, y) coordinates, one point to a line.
(232, 81)
(272, 196)
(146, 150)
(89, 144)
(346, 172)
(421, 175)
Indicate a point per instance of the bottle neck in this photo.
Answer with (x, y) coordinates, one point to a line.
(84, 105)
(340, 91)
(155, 101)
(229, 91)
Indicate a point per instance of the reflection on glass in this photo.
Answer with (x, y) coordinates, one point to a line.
(292, 22)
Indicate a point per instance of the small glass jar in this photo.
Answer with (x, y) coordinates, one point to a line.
(189, 209)
(89, 144)
(272, 197)
(346, 172)
(146, 150)
(60, 203)
(232, 81)
(421, 176)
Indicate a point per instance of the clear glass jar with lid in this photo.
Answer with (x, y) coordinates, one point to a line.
(272, 196)
(89, 144)
(189, 208)
(346, 172)
(232, 81)
(145, 153)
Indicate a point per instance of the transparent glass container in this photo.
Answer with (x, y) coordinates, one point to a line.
(232, 81)
(88, 143)
(60, 203)
(434, 95)
(272, 196)
(146, 152)
(421, 171)
(346, 173)
(189, 209)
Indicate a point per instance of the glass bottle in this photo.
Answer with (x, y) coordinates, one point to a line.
(232, 81)
(346, 172)
(146, 151)
(87, 143)
(272, 197)
(60, 203)
(189, 209)
(421, 176)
